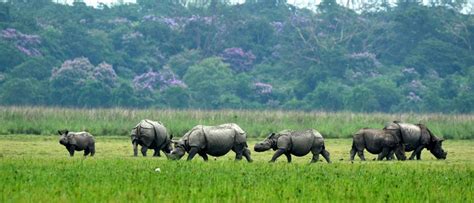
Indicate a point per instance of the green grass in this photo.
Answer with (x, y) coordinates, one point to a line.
(100, 122)
(37, 168)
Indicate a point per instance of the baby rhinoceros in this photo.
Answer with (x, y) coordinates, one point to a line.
(78, 141)
(298, 143)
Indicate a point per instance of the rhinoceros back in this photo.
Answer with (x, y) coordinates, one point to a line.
(219, 140)
(241, 136)
(149, 131)
(411, 135)
(82, 139)
(303, 141)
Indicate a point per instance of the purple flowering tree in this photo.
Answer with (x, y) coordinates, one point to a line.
(239, 60)
(162, 80)
(78, 71)
(263, 88)
(371, 57)
(178, 23)
(25, 43)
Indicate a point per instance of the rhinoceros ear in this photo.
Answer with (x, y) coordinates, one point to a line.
(271, 135)
(60, 133)
(171, 136)
(66, 132)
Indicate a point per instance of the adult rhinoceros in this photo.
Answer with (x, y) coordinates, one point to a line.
(378, 142)
(212, 140)
(298, 143)
(150, 135)
(415, 138)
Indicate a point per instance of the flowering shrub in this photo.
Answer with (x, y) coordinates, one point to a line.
(178, 23)
(79, 70)
(263, 88)
(239, 60)
(23, 42)
(277, 26)
(413, 97)
(161, 80)
(367, 56)
(132, 35)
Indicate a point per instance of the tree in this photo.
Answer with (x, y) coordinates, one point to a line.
(23, 92)
(208, 80)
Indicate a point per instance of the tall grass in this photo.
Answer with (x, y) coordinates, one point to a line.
(46, 121)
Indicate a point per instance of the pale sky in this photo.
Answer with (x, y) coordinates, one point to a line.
(299, 3)
(94, 3)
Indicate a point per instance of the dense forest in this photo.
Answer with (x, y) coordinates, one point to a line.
(405, 57)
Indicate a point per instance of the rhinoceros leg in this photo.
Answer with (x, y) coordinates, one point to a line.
(71, 150)
(288, 157)
(361, 155)
(144, 148)
(192, 152)
(325, 154)
(247, 155)
(418, 155)
(92, 149)
(157, 153)
(353, 152)
(417, 152)
(203, 155)
(316, 150)
(390, 155)
(239, 151)
(87, 151)
(315, 158)
(277, 154)
(383, 154)
(135, 148)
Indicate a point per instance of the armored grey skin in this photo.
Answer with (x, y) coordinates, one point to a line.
(416, 137)
(150, 135)
(212, 140)
(376, 142)
(77, 141)
(298, 143)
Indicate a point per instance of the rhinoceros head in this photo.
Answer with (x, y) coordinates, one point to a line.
(64, 139)
(265, 144)
(178, 151)
(436, 148)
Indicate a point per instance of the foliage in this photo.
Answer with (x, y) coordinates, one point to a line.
(406, 57)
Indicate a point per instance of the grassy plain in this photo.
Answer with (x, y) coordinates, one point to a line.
(100, 122)
(38, 169)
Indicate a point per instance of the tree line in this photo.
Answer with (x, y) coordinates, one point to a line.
(403, 57)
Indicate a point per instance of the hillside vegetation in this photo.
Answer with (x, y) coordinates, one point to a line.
(258, 55)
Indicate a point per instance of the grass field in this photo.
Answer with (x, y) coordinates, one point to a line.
(100, 122)
(37, 168)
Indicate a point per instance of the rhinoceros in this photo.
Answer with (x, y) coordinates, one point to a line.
(212, 140)
(150, 135)
(77, 141)
(416, 137)
(378, 142)
(298, 143)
